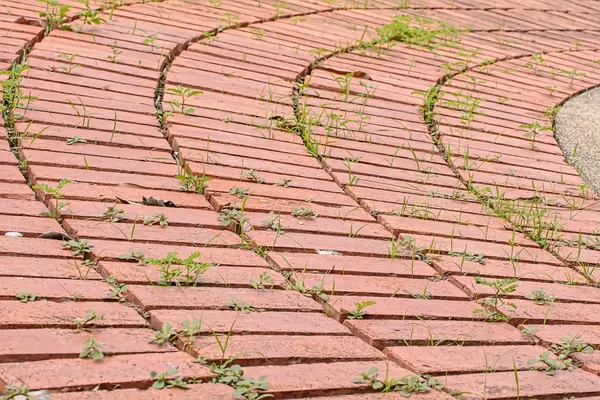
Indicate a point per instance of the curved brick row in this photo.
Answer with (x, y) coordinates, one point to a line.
(326, 225)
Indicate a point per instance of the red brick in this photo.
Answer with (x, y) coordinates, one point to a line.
(205, 391)
(152, 233)
(278, 350)
(19, 345)
(263, 323)
(502, 385)
(46, 268)
(54, 289)
(385, 333)
(127, 371)
(528, 312)
(208, 298)
(15, 314)
(320, 378)
(381, 286)
(113, 249)
(403, 308)
(442, 360)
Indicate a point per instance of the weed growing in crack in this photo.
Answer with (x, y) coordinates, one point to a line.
(157, 218)
(55, 15)
(113, 214)
(56, 194)
(165, 380)
(92, 350)
(178, 271)
(304, 212)
(191, 183)
(469, 256)
(405, 386)
(179, 105)
(263, 279)
(16, 392)
(133, 255)
(540, 297)
(26, 297)
(245, 308)
(13, 98)
(89, 317)
(359, 312)
(501, 288)
(69, 58)
(166, 334)
(533, 130)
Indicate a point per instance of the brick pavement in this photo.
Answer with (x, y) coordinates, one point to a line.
(317, 167)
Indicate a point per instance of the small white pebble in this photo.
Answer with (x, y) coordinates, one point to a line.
(13, 234)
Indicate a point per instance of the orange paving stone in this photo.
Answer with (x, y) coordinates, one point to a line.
(270, 176)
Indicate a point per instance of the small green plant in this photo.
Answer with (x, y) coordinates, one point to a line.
(78, 247)
(113, 213)
(179, 106)
(26, 297)
(533, 130)
(16, 392)
(56, 194)
(274, 224)
(157, 218)
(540, 297)
(359, 312)
(115, 52)
(192, 183)
(251, 175)
(166, 334)
(171, 271)
(405, 386)
(233, 375)
(133, 255)
(468, 256)
(529, 333)
(570, 345)
(92, 350)
(69, 58)
(75, 140)
(550, 365)
(89, 317)
(239, 192)
(232, 217)
(89, 16)
(501, 288)
(238, 305)
(304, 212)
(259, 283)
(55, 14)
(162, 380)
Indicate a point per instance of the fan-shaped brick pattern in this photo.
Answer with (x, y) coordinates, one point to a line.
(303, 167)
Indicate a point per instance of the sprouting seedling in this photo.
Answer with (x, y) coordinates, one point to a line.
(239, 192)
(170, 269)
(113, 214)
(550, 365)
(259, 283)
(344, 83)
(69, 58)
(89, 16)
(162, 380)
(56, 194)
(274, 224)
(233, 218)
(468, 256)
(92, 350)
(115, 52)
(251, 175)
(540, 297)
(257, 33)
(78, 247)
(304, 212)
(242, 306)
(406, 385)
(75, 139)
(133, 255)
(26, 297)
(157, 218)
(570, 345)
(16, 392)
(87, 319)
(529, 333)
(166, 334)
(359, 312)
(55, 15)
(185, 93)
(192, 183)
(230, 19)
(533, 130)
(501, 288)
